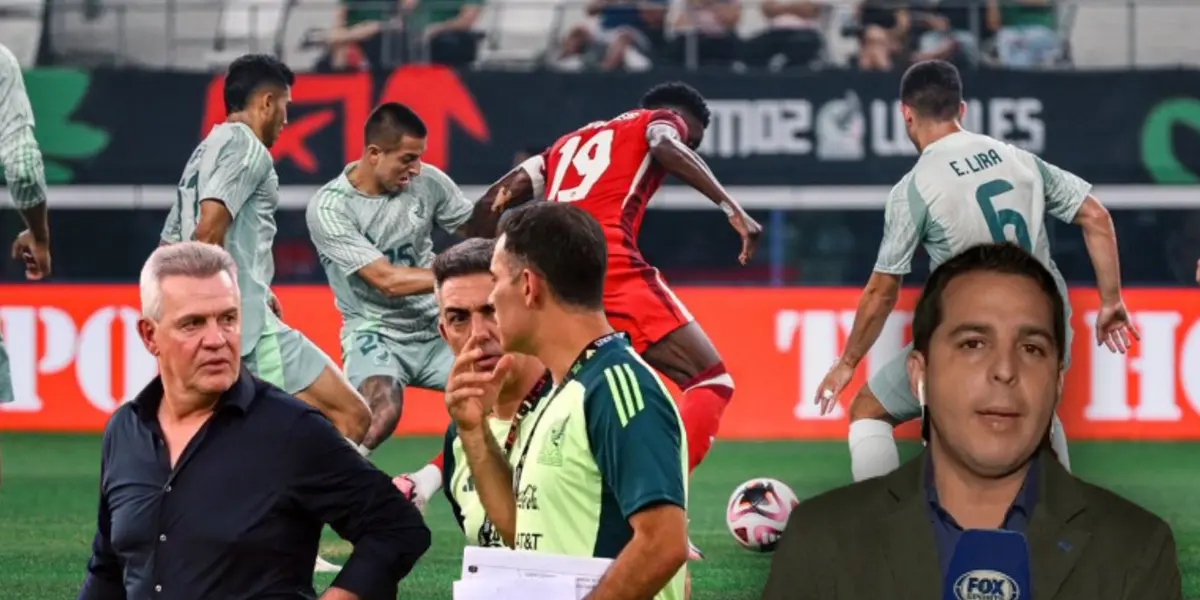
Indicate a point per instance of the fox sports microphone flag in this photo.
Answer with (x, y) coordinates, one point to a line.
(989, 564)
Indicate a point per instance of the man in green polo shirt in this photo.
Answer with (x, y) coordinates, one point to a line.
(601, 468)
(1026, 32)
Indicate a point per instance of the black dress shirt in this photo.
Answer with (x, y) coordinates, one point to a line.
(240, 515)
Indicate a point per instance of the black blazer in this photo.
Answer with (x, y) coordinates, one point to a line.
(874, 539)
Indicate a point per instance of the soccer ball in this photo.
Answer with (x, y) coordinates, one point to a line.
(758, 511)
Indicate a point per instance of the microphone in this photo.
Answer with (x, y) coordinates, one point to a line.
(989, 564)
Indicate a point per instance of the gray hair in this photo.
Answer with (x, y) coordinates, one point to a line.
(186, 259)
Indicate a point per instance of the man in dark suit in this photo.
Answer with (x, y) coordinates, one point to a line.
(989, 337)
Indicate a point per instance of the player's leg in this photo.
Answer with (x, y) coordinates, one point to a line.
(291, 362)
(668, 338)
(374, 367)
(879, 406)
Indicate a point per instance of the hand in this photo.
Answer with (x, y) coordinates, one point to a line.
(831, 386)
(35, 254)
(503, 196)
(1114, 327)
(750, 231)
(471, 394)
(273, 304)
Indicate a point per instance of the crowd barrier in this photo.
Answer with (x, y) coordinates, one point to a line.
(75, 356)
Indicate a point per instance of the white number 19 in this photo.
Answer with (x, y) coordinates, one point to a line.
(590, 161)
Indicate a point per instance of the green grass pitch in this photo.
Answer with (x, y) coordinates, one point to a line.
(48, 507)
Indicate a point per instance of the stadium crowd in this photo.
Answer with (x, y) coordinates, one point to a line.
(635, 35)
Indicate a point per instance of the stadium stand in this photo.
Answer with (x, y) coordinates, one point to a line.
(21, 28)
(198, 34)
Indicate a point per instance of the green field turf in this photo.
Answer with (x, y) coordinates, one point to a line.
(48, 507)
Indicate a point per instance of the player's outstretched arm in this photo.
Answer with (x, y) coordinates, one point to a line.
(1100, 237)
(520, 185)
(669, 150)
(902, 233)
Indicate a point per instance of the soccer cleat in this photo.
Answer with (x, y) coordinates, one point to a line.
(324, 566)
(694, 553)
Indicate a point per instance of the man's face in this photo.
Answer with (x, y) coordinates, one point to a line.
(395, 168)
(197, 338)
(992, 375)
(465, 312)
(511, 297)
(275, 113)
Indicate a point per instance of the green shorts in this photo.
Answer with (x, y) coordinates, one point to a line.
(286, 359)
(6, 391)
(424, 364)
(890, 383)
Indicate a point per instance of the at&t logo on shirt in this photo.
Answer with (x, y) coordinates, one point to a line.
(986, 585)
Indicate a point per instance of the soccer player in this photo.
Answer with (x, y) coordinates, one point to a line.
(467, 320)
(611, 169)
(601, 470)
(25, 174)
(371, 227)
(966, 189)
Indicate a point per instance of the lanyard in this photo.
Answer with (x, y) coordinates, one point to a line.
(573, 372)
(487, 529)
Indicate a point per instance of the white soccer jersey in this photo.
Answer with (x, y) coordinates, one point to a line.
(969, 189)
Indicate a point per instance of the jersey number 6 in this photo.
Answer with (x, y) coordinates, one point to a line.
(998, 220)
(589, 160)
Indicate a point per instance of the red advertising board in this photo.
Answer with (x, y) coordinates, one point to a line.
(75, 356)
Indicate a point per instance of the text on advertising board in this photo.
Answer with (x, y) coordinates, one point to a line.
(75, 357)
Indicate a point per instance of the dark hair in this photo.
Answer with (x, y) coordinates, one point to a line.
(533, 150)
(251, 72)
(564, 244)
(676, 94)
(389, 122)
(933, 89)
(1004, 258)
(468, 257)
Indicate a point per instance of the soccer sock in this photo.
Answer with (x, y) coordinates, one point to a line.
(439, 461)
(704, 401)
(361, 449)
(1058, 442)
(873, 450)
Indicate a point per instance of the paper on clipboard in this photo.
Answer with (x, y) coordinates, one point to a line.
(483, 588)
(502, 563)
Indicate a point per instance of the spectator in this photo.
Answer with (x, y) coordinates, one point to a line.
(793, 35)
(883, 37)
(362, 35)
(623, 33)
(1026, 32)
(706, 32)
(447, 29)
(373, 33)
(949, 32)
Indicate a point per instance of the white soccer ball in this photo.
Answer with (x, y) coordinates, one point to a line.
(758, 512)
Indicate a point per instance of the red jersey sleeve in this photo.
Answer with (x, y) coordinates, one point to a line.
(662, 116)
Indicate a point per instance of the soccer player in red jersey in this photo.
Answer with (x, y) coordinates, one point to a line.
(611, 169)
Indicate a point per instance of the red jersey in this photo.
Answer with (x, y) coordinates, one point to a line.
(605, 167)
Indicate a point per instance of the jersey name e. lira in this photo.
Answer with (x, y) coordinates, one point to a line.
(24, 172)
(351, 230)
(969, 189)
(233, 166)
(606, 444)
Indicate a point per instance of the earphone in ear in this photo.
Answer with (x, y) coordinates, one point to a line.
(921, 392)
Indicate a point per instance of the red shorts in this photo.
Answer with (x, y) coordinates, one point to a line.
(638, 302)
